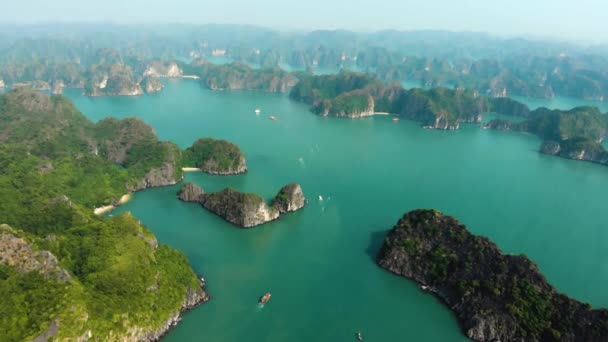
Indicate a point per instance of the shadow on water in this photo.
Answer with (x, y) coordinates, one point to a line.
(375, 243)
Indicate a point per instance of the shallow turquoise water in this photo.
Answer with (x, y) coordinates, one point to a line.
(318, 262)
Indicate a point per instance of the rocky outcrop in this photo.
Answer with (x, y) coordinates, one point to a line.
(334, 108)
(163, 175)
(21, 254)
(2, 85)
(550, 147)
(501, 125)
(194, 297)
(152, 85)
(160, 69)
(244, 209)
(57, 87)
(289, 198)
(190, 192)
(577, 149)
(496, 297)
(112, 80)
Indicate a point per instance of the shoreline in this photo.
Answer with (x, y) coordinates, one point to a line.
(191, 169)
(107, 208)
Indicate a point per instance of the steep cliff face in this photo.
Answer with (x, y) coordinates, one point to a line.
(16, 252)
(112, 80)
(503, 125)
(245, 209)
(163, 69)
(194, 297)
(163, 175)
(242, 209)
(190, 192)
(152, 85)
(57, 87)
(577, 149)
(290, 198)
(496, 297)
(351, 105)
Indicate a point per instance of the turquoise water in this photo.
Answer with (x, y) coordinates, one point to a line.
(318, 262)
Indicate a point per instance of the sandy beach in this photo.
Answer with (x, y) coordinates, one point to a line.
(106, 208)
(190, 169)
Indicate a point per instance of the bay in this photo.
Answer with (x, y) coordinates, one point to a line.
(319, 262)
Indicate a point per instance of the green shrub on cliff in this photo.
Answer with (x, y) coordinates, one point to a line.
(496, 296)
(120, 280)
(214, 156)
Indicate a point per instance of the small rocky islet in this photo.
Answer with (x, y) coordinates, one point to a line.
(245, 210)
(495, 296)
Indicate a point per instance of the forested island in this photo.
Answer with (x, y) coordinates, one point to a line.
(245, 210)
(238, 76)
(349, 94)
(65, 271)
(108, 74)
(216, 157)
(495, 296)
(574, 134)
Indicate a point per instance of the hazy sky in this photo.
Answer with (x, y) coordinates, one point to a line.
(570, 19)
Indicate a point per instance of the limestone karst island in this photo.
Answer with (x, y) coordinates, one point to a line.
(317, 171)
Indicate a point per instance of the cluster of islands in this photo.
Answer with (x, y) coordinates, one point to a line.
(575, 134)
(67, 273)
(67, 269)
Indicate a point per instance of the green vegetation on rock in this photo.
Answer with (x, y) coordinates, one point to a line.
(215, 157)
(495, 296)
(237, 76)
(572, 134)
(245, 209)
(64, 272)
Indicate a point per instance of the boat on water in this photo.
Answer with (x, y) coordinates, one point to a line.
(359, 336)
(320, 198)
(395, 119)
(257, 112)
(272, 118)
(265, 298)
(425, 288)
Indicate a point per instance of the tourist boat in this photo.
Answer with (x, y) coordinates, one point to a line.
(395, 119)
(257, 112)
(265, 298)
(359, 336)
(424, 288)
(320, 198)
(272, 118)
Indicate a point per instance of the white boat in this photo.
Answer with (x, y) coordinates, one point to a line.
(257, 112)
(320, 198)
(272, 118)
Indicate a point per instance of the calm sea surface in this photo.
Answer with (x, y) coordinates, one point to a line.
(319, 262)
